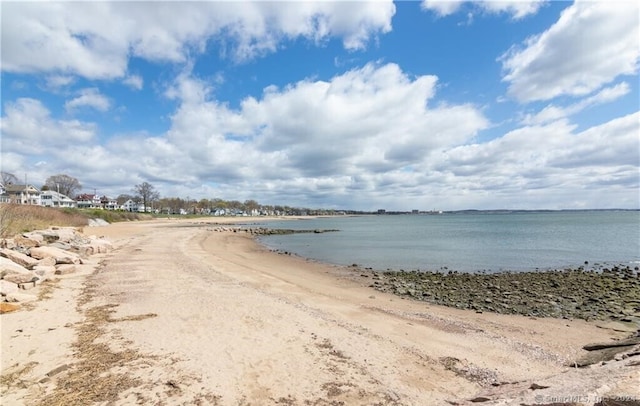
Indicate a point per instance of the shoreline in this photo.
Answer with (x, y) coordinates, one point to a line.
(192, 315)
(602, 293)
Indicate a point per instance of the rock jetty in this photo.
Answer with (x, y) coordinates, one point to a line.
(268, 231)
(29, 259)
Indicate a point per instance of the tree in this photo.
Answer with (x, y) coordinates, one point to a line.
(121, 199)
(9, 178)
(65, 184)
(147, 192)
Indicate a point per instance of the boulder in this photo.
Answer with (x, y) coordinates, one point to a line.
(65, 269)
(19, 258)
(53, 234)
(48, 261)
(19, 278)
(8, 243)
(20, 297)
(7, 267)
(7, 287)
(61, 256)
(60, 245)
(94, 246)
(65, 233)
(45, 272)
(22, 241)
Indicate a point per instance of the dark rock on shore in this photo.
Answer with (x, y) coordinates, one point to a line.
(607, 294)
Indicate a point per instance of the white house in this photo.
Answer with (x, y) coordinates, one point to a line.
(51, 198)
(22, 194)
(129, 205)
(87, 201)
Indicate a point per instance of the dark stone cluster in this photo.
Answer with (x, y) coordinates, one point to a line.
(597, 294)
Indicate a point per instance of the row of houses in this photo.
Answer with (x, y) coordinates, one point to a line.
(29, 194)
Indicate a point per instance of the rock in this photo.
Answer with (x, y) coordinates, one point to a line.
(97, 222)
(9, 243)
(7, 267)
(60, 245)
(7, 287)
(61, 256)
(45, 272)
(65, 269)
(535, 386)
(94, 246)
(618, 326)
(611, 344)
(28, 241)
(49, 261)
(19, 258)
(54, 234)
(20, 297)
(598, 356)
(19, 278)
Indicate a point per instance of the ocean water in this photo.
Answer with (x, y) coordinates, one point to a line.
(468, 242)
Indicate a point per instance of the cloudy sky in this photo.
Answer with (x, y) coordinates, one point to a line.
(408, 105)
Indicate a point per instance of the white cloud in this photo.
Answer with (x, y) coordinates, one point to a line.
(96, 39)
(551, 166)
(371, 137)
(590, 45)
(134, 81)
(553, 112)
(374, 118)
(90, 97)
(518, 9)
(56, 82)
(441, 7)
(29, 129)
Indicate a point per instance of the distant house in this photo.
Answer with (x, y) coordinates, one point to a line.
(87, 201)
(4, 197)
(21, 194)
(109, 204)
(51, 198)
(129, 205)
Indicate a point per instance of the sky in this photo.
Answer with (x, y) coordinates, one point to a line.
(443, 105)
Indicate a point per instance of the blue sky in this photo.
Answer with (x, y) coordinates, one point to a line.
(360, 105)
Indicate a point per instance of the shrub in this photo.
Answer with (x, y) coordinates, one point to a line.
(16, 218)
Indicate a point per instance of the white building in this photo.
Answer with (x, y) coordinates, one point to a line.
(51, 198)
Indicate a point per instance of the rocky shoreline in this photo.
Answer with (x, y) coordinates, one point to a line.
(611, 294)
(607, 294)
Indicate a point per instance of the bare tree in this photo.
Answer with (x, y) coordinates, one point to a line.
(147, 192)
(121, 199)
(9, 178)
(65, 184)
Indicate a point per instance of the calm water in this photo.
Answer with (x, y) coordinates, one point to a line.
(468, 242)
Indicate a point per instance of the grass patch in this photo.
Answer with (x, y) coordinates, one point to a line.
(15, 377)
(18, 218)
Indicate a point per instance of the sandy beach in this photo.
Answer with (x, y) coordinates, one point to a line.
(180, 314)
